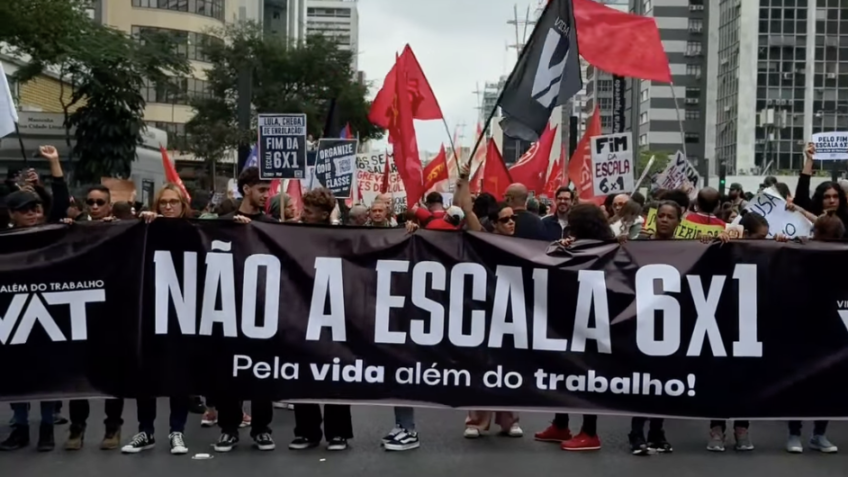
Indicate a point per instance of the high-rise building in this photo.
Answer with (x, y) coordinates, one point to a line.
(656, 112)
(284, 18)
(338, 19)
(781, 76)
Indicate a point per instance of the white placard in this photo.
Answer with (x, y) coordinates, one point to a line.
(370, 167)
(680, 174)
(831, 146)
(612, 164)
(772, 206)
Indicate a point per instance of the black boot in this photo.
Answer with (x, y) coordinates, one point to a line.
(18, 439)
(46, 440)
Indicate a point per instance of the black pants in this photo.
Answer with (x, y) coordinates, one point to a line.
(819, 428)
(736, 425)
(230, 414)
(79, 410)
(176, 420)
(337, 421)
(637, 425)
(589, 427)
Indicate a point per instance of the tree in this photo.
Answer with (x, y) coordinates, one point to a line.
(106, 69)
(302, 77)
(660, 162)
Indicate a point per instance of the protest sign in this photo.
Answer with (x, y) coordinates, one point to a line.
(612, 163)
(831, 146)
(370, 167)
(772, 206)
(680, 174)
(282, 146)
(334, 165)
(686, 230)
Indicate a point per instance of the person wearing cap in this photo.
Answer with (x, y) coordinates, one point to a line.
(737, 196)
(25, 209)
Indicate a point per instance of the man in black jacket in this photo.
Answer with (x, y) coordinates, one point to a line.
(556, 224)
(527, 224)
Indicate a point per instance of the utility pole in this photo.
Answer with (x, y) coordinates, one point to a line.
(521, 27)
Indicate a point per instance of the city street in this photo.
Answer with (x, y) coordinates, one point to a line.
(443, 452)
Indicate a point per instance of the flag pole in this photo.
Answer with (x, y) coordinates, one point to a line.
(509, 79)
(679, 120)
(450, 140)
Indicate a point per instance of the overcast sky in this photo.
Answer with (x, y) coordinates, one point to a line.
(459, 43)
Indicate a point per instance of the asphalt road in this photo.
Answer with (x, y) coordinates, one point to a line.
(443, 452)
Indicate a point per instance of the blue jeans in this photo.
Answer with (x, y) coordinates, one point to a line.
(405, 418)
(21, 412)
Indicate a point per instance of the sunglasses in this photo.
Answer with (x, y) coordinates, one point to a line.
(508, 219)
(97, 202)
(172, 203)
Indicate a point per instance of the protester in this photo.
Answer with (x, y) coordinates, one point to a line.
(123, 210)
(586, 222)
(98, 203)
(378, 215)
(706, 206)
(737, 196)
(533, 206)
(358, 215)
(527, 224)
(555, 226)
(482, 207)
(618, 202)
(255, 193)
(628, 221)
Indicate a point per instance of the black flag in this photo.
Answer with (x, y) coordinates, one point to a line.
(547, 74)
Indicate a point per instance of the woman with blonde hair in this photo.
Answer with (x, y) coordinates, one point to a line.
(170, 202)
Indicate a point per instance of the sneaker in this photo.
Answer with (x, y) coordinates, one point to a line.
(302, 443)
(264, 442)
(582, 442)
(391, 435)
(793, 445)
(822, 444)
(337, 444)
(140, 442)
(76, 437)
(471, 433)
(209, 419)
(59, 420)
(716, 443)
(178, 446)
(513, 431)
(245, 420)
(226, 442)
(638, 446)
(553, 434)
(402, 441)
(743, 440)
(46, 439)
(658, 443)
(112, 439)
(18, 439)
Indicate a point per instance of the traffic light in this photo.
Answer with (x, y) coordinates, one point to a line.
(722, 177)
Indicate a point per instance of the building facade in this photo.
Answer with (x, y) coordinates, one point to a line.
(337, 19)
(655, 112)
(284, 18)
(782, 76)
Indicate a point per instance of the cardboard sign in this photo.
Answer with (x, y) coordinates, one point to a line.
(370, 167)
(281, 148)
(685, 231)
(772, 206)
(680, 174)
(831, 146)
(612, 164)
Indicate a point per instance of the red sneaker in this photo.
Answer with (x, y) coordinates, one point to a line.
(553, 434)
(582, 442)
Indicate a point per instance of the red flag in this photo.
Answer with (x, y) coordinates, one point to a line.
(620, 43)
(293, 190)
(496, 177)
(532, 168)
(554, 179)
(436, 170)
(477, 178)
(171, 173)
(580, 164)
(273, 191)
(387, 173)
(421, 98)
(402, 130)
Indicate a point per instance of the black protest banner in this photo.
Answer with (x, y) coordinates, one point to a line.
(677, 328)
(335, 164)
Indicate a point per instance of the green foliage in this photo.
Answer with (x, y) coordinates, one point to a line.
(660, 163)
(106, 69)
(286, 78)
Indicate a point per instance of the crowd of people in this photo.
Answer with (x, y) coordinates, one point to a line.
(621, 217)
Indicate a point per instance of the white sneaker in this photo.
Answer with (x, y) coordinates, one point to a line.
(471, 433)
(391, 435)
(140, 442)
(515, 431)
(178, 446)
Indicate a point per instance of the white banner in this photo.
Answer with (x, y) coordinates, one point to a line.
(612, 164)
(680, 174)
(370, 167)
(831, 146)
(772, 206)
